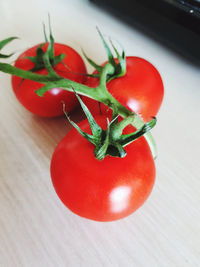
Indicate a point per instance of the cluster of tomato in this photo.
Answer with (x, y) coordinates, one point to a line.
(114, 187)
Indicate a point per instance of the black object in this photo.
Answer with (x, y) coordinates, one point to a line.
(175, 23)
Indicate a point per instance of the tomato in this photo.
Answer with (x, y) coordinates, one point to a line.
(140, 89)
(104, 190)
(50, 105)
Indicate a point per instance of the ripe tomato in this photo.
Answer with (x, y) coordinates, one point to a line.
(50, 105)
(104, 190)
(140, 89)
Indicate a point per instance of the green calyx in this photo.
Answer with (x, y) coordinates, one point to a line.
(119, 65)
(38, 60)
(112, 140)
(4, 43)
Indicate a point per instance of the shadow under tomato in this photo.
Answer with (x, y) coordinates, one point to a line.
(46, 133)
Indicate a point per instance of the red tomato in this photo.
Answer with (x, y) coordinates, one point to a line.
(140, 89)
(104, 190)
(50, 105)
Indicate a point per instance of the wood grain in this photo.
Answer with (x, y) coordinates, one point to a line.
(36, 230)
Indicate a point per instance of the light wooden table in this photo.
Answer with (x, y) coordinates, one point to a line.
(36, 230)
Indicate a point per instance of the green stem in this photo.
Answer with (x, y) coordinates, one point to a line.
(7, 68)
(100, 93)
(107, 69)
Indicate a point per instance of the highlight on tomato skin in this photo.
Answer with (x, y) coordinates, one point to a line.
(51, 104)
(106, 190)
(140, 89)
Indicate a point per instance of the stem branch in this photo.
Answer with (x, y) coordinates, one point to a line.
(100, 93)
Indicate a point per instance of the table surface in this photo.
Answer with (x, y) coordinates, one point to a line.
(35, 227)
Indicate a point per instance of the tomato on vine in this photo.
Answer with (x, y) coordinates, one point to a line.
(109, 173)
(65, 61)
(140, 89)
(115, 182)
(101, 190)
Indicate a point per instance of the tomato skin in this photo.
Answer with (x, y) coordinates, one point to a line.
(140, 89)
(50, 105)
(104, 190)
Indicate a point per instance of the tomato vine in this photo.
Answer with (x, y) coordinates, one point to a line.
(99, 93)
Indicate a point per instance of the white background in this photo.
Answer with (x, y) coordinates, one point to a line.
(36, 230)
